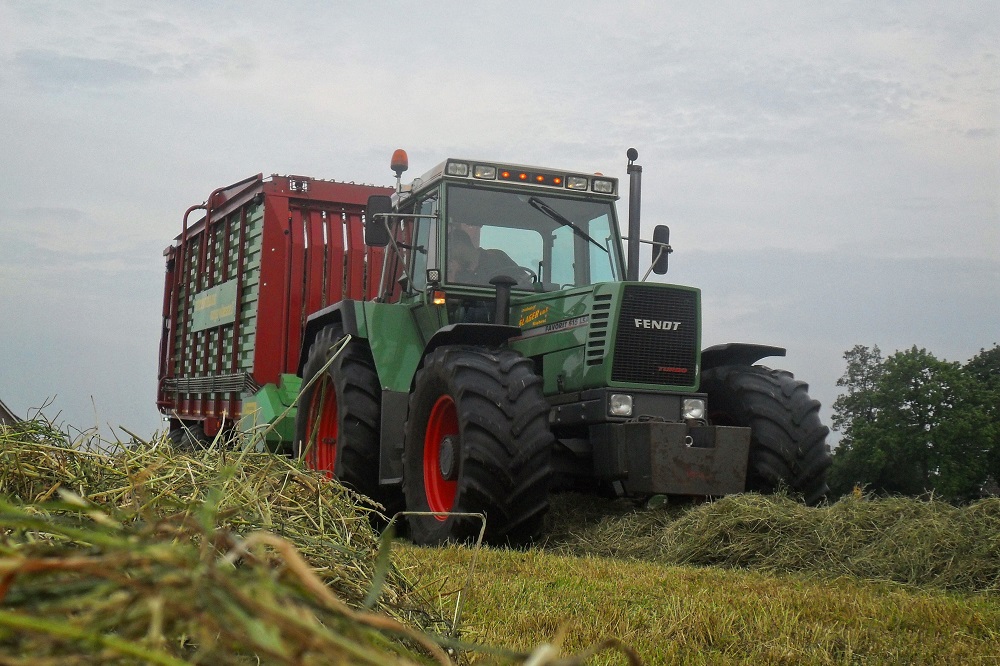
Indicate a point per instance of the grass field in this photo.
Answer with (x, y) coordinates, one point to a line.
(689, 615)
(148, 555)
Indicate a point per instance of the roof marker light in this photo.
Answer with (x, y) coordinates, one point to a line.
(604, 186)
(484, 171)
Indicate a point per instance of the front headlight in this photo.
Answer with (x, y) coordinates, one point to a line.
(693, 408)
(620, 404)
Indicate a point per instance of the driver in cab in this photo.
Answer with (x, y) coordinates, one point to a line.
(469, 264)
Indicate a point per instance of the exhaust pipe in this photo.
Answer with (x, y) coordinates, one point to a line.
(634, 195)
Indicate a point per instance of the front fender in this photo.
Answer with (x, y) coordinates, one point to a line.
(737, 353)
(342, 312)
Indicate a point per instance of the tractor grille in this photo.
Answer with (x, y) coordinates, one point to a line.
(597, 335)
(657, 337)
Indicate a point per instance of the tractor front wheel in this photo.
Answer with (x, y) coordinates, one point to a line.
(477, 441)
(787, 440)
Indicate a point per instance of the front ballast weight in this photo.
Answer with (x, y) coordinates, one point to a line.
(655, 457)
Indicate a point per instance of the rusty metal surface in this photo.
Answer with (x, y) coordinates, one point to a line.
(663, 460)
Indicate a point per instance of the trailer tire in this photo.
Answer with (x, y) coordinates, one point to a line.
(337, 423)
(477, 441)
(188, 436)
(788, 447)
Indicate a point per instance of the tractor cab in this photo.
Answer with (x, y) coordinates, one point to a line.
(465, 224)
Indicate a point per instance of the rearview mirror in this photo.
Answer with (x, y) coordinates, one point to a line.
(376, 229)
(661, 248)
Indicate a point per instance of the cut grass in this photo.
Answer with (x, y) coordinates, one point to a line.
(706, 615)
(147, 555)
(921, 542)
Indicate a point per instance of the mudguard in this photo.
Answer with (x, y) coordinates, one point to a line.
(737, 353)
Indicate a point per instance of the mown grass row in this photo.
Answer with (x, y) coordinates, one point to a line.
(147, 555)
(922, 542)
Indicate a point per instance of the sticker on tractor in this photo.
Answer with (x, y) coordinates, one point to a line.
(533, 315)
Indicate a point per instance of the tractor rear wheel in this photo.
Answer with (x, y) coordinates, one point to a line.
(337, 424)
(477, 441)
(787, 440)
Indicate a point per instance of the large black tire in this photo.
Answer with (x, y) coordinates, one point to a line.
(188, 436)
(478, 441)
(788, 447)
(337, 423)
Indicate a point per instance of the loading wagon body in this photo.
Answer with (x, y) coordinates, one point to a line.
(249, 266)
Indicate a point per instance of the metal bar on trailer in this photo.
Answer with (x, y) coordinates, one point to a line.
(294, 286)
(236, 400)
(355, 256)
(240, 283)
(270, 330)
(336, 256)
(314, 264)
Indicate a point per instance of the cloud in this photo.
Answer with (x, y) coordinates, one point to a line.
(829, 171)
(58, 71)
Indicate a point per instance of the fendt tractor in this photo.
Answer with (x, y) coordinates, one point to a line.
(468, 344)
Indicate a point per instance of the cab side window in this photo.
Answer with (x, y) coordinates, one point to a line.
(424, 245)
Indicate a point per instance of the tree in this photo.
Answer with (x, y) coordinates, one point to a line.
(864, 370)
(912, 424)
(985, 369)
(852, 410)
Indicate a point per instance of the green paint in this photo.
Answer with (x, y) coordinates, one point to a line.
(396, 341)
(265, 412)
(214, 307)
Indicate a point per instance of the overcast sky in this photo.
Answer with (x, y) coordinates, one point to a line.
(830, 171)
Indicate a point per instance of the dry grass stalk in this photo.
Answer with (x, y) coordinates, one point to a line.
(137, 554)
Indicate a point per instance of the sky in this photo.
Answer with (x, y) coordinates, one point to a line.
(830, 171)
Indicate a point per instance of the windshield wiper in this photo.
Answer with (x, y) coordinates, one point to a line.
(551, 212)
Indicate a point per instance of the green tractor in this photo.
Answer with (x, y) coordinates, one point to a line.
(512, 351)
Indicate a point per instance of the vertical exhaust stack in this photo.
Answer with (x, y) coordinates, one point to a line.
(634, 196)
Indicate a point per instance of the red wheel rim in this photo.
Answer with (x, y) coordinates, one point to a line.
(442, 423)
(321, 429)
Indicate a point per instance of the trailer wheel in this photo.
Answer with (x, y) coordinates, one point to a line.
(787, 442)
(188, 436)
(337, 424)
(477, 441)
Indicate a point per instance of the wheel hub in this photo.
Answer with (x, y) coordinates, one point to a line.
(448, 458)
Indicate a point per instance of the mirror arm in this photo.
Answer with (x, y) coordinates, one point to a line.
(661, 249)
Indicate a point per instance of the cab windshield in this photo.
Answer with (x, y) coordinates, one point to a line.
(543, 242)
